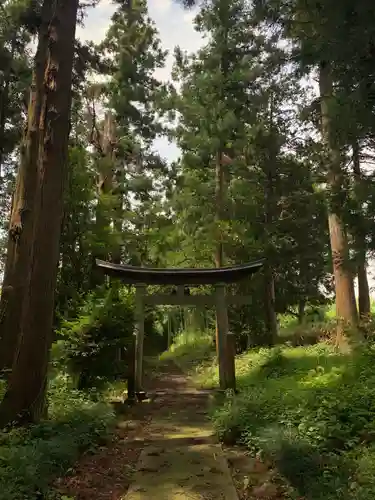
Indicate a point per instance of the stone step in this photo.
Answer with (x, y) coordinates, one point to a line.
(189, 472)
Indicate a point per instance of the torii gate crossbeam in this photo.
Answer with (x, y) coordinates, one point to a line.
(141, 277)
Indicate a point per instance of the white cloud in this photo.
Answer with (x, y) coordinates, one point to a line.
(162, 5)
(96, 22)
(167, 149)
(164, 74)
(189, 16)
(175, 29)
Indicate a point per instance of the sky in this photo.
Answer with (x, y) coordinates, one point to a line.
(175, 27)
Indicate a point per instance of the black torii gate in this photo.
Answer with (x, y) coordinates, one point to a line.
(141, 277)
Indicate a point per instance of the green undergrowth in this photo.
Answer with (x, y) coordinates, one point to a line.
(192, 351)
(309, 409)
(31, 459)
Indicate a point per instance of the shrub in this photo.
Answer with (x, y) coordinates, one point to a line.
(308, 334)
(30, 459)
(190, 348)
(95, 345)
(311, 410)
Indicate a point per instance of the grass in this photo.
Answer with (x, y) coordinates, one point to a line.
(308, 409)
(31, 459)
(192, 351)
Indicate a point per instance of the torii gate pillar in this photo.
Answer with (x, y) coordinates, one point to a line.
(219, 277)
(139, 336)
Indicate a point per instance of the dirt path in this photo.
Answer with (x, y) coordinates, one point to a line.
(165, 450)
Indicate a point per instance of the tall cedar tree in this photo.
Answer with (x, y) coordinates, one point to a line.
(318, 33)
(15, 76)
(266, 185)
(49, 116)
(135, 97)
(20, 240)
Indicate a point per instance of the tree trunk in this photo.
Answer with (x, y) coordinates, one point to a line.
(25, 396)
(118, 214)
(169, 332)
(17, 268)
(104, 188)
(301, 311)
(3, 112)
(346, 310)
(222, 351)
(224, 348)
(364, 305)
(269, 202)
(271, 317)
(220, 214)
(219, 200)
(139, 338)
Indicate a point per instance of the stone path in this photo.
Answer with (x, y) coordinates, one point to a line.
(164, 449)
(181, 458)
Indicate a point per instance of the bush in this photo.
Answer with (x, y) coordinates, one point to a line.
(190, 348)
(313, 412)
(308, 408)
(94, 346)
(30, 459)
(308, 334)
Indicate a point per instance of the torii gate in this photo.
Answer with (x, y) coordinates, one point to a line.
(141, 277)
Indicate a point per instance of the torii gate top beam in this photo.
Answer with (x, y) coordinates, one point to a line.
(152, 276)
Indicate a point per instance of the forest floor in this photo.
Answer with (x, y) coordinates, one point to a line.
(165, 449)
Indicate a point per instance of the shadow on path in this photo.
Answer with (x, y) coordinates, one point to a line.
(181, 458)
(164, 449)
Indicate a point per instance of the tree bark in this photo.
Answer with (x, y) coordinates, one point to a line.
(219, 252)
(105, 147)
(220, 210)
(269, 202)
(222, 351)
(17, 268)
(364, 305)
(25, 397)
(222, 340)
(301, 311)
(271, 317)
(346, 310)
(118, 210)
(225, 344)
(139, 338)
